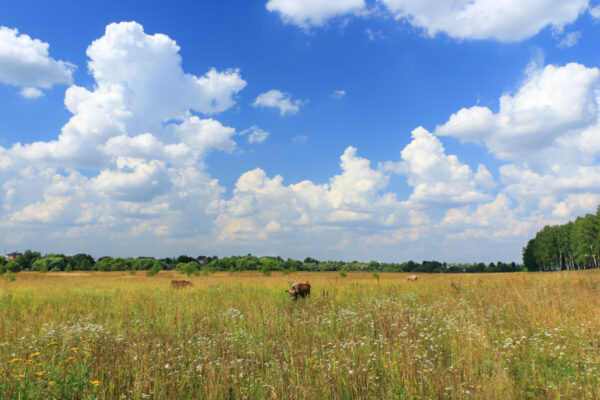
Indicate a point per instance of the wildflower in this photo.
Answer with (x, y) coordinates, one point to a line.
(14, 360)
(52, 344)
(51, 383)
(73, 349)
(21, 376)
(95, 383)
(66, 360)
(37, 353)
(40, 373)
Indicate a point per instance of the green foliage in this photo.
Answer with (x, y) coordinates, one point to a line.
(375, 275)
(575, 245)
(9, 276)
(156, 267)
(343, 273)
(188, 268)
(13, 266)
(81, 261)
(104, 264)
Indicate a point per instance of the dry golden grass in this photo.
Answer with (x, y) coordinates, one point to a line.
(89, 335)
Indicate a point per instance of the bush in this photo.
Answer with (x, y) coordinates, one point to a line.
(156, 267)
(188, 268)
(343, 273)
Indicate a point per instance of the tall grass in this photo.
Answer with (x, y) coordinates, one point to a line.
(113, 335)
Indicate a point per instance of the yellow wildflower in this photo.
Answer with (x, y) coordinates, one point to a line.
(73, 349)
(40, 373)
(37, 353)
(29, 362)
(51, 383)
(21, 376)
(14, 360)
(52, 344)
(66, 360)
(95, 383)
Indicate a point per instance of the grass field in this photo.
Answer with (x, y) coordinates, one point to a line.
(234, 336)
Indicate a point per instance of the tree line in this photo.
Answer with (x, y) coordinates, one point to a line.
(34, 261)
(572, 246)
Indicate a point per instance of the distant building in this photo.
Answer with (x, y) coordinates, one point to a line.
(202, 260)
(12, 256)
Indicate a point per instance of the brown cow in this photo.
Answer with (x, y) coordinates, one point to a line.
(412, 278)
(301, 289)
(180, 284)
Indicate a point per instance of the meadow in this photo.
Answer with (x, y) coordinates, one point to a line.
(112, 335)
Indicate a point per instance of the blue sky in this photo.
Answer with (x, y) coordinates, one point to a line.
(387, 130)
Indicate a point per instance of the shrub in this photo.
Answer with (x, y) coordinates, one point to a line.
(188, 268)
(156, 267)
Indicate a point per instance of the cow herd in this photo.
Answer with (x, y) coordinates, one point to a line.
(297, 290)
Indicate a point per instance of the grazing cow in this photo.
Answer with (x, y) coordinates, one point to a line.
(412, 278)
(301, 289)
(180, 284)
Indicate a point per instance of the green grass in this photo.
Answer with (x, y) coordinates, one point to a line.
(113, 335)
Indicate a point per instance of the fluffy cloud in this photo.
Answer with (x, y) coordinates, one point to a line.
(437, 177)
(25, 62)
(129, 163)
(549, 133)
(461, 19)
(256, 135)
(487, 19)
(306, 13)
(552, 102)
(351, 199)
(276, 99)
(338, 94)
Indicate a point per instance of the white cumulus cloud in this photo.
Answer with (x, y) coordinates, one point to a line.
(306, 13)
(276, 99)
(511, 20)
(26, 63)
(437, 177)
(136, 136)
(548, 132)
